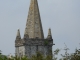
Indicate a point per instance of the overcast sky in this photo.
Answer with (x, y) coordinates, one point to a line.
(62, 16)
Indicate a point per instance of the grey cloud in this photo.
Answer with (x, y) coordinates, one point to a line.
(62, 16)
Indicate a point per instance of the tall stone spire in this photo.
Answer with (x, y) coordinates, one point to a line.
(34, 26)
(33, 40)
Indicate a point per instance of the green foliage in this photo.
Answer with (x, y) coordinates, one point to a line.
(76, 55)
(49, 57)
(39, 56)
(0, 52)
(46, 42)
(56, 53)
(2, 57)
(24, 58)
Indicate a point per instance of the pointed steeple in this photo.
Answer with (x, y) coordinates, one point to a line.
(49, 34)
(18, 36)
(34, 26)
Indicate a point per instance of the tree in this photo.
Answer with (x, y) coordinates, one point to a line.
(76, 55)
(55, 53)
(66, 56)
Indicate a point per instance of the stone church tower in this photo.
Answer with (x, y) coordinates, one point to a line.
(33, 40)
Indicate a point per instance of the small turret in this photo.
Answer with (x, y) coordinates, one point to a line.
(18, 36)
(49, 34)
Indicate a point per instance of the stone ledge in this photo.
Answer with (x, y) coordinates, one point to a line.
(34, 42)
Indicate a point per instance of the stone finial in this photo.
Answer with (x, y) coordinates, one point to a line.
(34, 26)
(18, 34)
(49, 34)
(49, 31)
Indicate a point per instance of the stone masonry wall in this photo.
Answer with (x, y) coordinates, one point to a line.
(30, 47)
(32, 50)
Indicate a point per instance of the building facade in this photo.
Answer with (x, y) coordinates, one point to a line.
(33, 40)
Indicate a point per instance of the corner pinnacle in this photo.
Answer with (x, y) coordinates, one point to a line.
(18, 34)
(49, 33)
